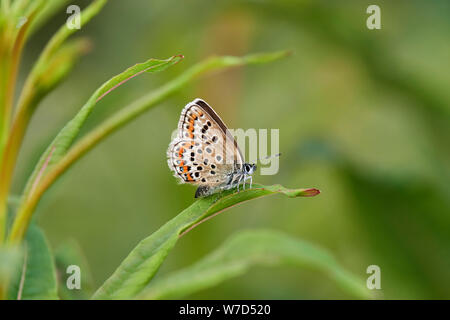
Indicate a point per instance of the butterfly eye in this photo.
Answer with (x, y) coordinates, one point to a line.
(247, 168)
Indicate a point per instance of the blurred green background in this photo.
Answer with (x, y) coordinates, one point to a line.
(363, 116)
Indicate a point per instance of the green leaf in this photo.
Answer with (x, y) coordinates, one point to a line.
(143, 262)
(112, 124)
(51, 67)
(37, 279)
(251, 248)
(10, 262)
(62, 142)
(66, 136)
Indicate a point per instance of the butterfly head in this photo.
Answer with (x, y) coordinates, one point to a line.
(249, 168)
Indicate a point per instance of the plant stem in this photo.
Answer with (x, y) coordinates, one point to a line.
(6, 41)
(9, 77)
(28, 100)
(6, 47)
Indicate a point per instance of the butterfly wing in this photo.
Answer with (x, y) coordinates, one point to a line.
(198, 121)
(189, 162)
(204, 152)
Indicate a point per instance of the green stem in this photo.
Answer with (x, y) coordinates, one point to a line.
(28, 100)
(7, 45)
(9, 77)
(14, 43)
(6, 41)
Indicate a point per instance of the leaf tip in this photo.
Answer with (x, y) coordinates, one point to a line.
(288, 53)
(311, 192)
(177, 57)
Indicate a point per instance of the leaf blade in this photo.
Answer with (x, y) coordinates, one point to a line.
(10, 262)
(143, 262)
(39, 279)
(247, 249)
(64, 139)
(66, 136)
(117, 121)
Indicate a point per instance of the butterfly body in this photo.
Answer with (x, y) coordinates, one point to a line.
(204, 153)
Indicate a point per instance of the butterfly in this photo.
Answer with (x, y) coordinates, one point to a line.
(204, 152)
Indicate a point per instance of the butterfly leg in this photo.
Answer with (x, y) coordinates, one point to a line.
(248, 177)
(230, 184)
(239, 181)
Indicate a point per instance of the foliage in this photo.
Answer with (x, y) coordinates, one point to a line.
(363, 116)
(244, 250)
(31, 273)
(143, 262)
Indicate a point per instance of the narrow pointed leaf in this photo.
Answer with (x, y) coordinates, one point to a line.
(250, 248)
(66, 136)
(112, 124)
(62, 142)
(143, 262)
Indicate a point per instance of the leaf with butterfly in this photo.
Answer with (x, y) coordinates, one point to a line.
(138, 269)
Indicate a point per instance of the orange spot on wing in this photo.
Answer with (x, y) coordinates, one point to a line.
(191, 128)
(189, 177)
